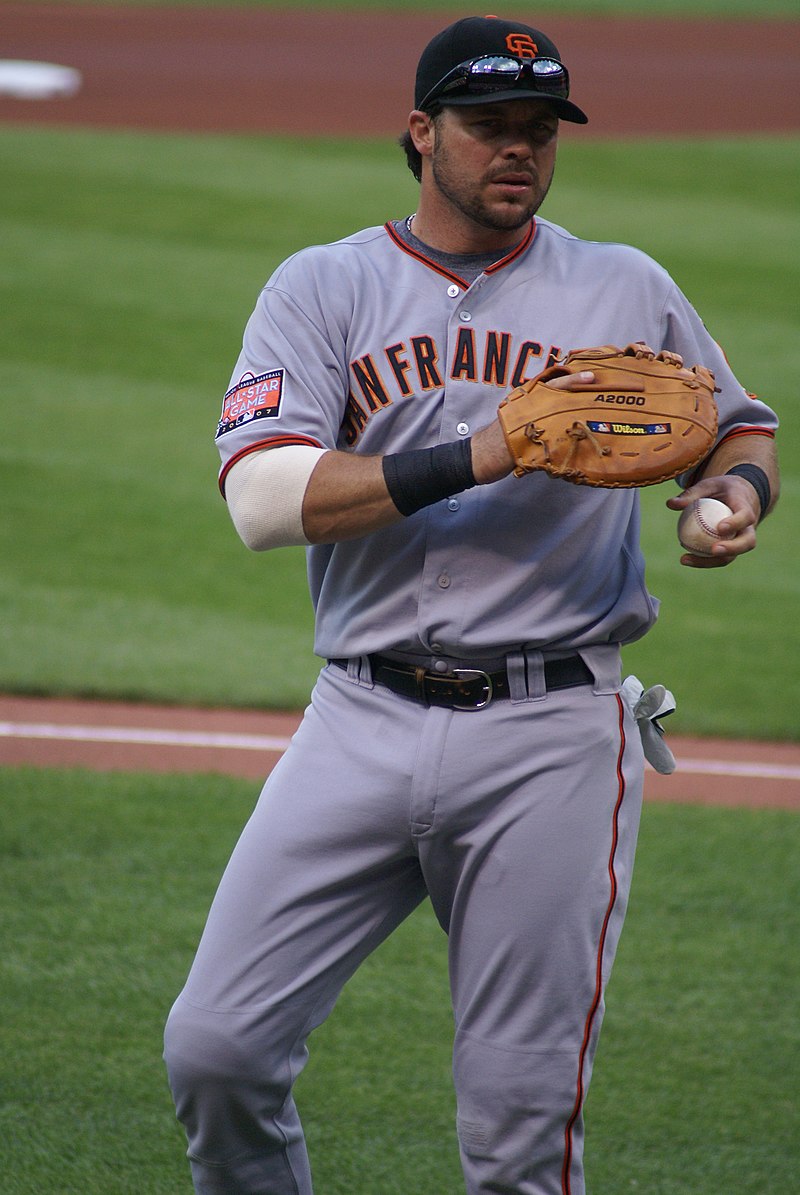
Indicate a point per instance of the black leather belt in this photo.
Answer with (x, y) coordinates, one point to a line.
(465, 688)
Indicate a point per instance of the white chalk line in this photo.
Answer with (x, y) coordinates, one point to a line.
(257, 742)
(719, 767)
(143, 736)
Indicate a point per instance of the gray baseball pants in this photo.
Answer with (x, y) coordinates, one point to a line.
(519, 821)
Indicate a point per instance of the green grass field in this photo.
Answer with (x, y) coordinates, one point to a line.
(104, 885)
(130, 264)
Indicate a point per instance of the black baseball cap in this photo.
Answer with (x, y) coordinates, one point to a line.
(473, 37)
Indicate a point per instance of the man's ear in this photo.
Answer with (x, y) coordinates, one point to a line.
(423, 132)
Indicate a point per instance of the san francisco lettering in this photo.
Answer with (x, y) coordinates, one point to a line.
(411, 368)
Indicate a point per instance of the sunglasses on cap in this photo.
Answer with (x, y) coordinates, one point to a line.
(496, 72)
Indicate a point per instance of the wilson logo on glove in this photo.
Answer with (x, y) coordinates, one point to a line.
(630, 429)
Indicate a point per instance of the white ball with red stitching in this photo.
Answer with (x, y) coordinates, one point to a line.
(697, 526)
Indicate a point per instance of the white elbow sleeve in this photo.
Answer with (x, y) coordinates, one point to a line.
(265, 492)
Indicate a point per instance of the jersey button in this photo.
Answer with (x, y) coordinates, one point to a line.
(443, 581)
(462, 429)
(466, 317)
(453, 290)
(453, 504)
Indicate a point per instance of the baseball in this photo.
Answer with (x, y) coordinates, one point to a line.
(697, 526)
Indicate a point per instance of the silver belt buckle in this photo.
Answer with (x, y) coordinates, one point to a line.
(487, 684)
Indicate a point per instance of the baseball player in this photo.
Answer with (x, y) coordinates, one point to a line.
(467, 740)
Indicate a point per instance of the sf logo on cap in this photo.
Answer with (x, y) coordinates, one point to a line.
(522, 45)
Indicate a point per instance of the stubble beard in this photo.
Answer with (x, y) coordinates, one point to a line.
(498, 218)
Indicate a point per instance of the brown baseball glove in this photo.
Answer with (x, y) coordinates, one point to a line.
(644, 419)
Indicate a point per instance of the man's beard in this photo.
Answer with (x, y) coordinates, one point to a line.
(498, 218)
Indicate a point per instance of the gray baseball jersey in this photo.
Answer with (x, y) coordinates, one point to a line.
(367, 346)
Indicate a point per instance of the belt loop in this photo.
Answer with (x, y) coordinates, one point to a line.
(605, 664)
(517, 677)
(537, 686)
(359, 671)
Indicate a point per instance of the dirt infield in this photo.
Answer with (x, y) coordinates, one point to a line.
(257, 70)
(300, 72)
(115, 736)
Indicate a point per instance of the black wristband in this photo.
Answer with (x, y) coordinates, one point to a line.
(426, 475)
(758, 480)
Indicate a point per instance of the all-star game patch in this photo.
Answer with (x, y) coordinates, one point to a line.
(612, 428)
(251, 398)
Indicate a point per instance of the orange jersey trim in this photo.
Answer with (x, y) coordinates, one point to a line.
(438, 269)
(748, 431)
(270, 442)
(515, 253)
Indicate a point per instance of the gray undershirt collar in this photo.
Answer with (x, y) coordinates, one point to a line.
(468, 266)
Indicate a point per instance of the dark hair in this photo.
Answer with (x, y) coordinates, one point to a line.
(413, 156)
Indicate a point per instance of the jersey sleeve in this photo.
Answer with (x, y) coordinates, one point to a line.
(289, 384)
(740, 412)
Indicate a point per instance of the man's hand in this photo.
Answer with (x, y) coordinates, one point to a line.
(736, 492)
(491, 459)
(742, 499)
